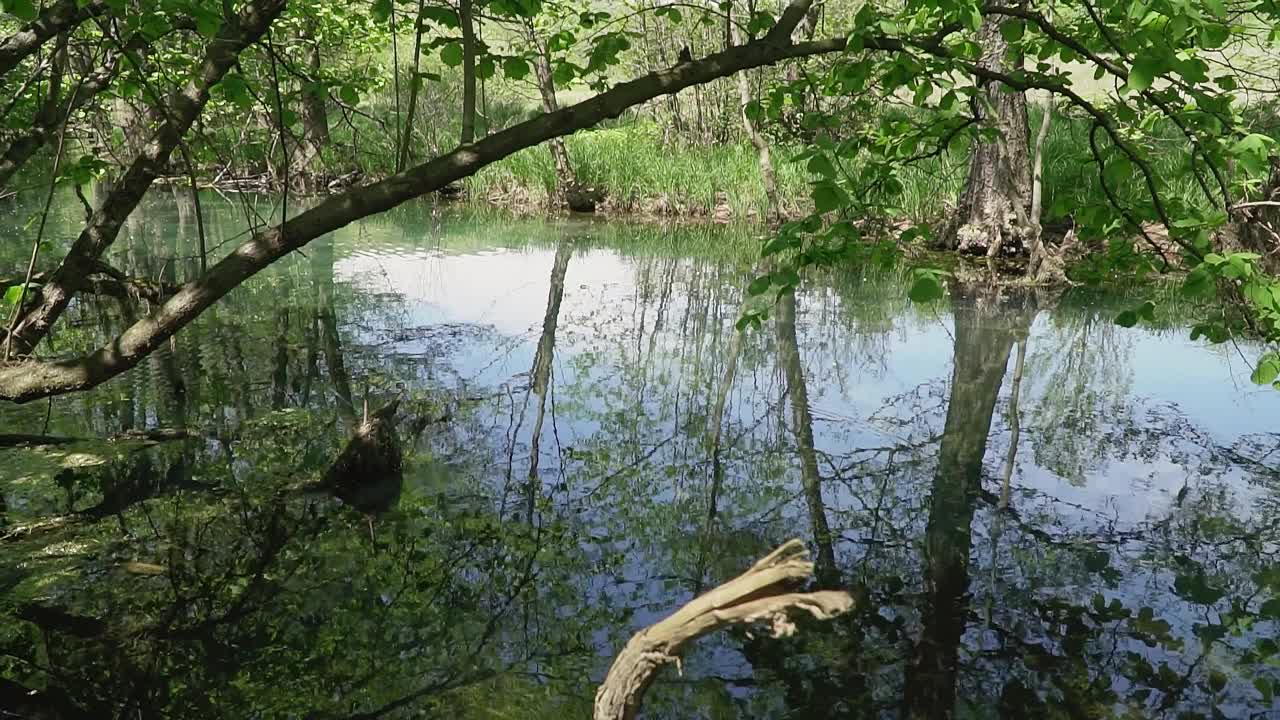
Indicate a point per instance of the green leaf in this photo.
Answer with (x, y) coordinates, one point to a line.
(485, 68)
(1143, 73)
(1267, 371)
(349, 95)
(1251, 152)
(451, 54)
(440, 16)
(12, 294)
(563, 74)
(1128, 319)
(760, 285)
(515, 68)
(24, 10)
(236, 90)
(821, 165)
(828, 196)
(1198, 282)
(207, 22)
(973, 17)
(381, 10)
(925, 289)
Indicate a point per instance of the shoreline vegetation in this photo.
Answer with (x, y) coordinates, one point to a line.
(640, 173)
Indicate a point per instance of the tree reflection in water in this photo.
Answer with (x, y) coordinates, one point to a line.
(1116, 560)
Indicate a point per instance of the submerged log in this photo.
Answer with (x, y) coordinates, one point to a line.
(369, 474)
(757, 596)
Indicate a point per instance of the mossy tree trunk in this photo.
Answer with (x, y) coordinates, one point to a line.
(992, 213)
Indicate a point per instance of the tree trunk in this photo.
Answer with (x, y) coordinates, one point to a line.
(55, 19)
(415, 88)
(469, 72)
(568, 190)
(985, 331)
(992, 211)
(315, 118)
(173, 119)
(772, 208)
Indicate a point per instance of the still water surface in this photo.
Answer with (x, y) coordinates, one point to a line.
(1040, 513)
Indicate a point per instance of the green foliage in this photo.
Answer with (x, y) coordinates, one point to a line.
(927, 286)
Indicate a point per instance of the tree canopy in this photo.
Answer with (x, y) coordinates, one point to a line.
(130, 93)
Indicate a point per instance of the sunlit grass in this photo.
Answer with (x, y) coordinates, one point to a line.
(639, 173)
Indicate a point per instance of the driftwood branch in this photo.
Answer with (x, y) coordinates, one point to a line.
(757, 596)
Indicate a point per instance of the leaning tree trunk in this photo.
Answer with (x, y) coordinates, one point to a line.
(772, 208)
(568, 189)
(415, 88)
(991, 215)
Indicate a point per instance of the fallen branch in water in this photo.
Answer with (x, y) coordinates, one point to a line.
(756, 596)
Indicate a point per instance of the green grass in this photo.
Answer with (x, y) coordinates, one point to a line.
(641, 174)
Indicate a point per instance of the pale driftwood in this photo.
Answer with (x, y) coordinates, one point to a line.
(756, 596)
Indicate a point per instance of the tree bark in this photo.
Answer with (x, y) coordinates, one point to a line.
(466, 20)
(992, 211)
(309, 165)
(1039, 252)
(58, 18)
(49, 121)
(29, 380)
(1259, 227)
(174, 119)
(567, 189)
(772, 207)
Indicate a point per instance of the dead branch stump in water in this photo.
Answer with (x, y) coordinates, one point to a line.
(759, 595)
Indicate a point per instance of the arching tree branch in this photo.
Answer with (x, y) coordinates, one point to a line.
(29, 380)
(54, 20)
(172, 120)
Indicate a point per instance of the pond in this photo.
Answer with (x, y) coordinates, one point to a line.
(1038, 512)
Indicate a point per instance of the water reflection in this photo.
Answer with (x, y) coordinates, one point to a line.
(1038, 512)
